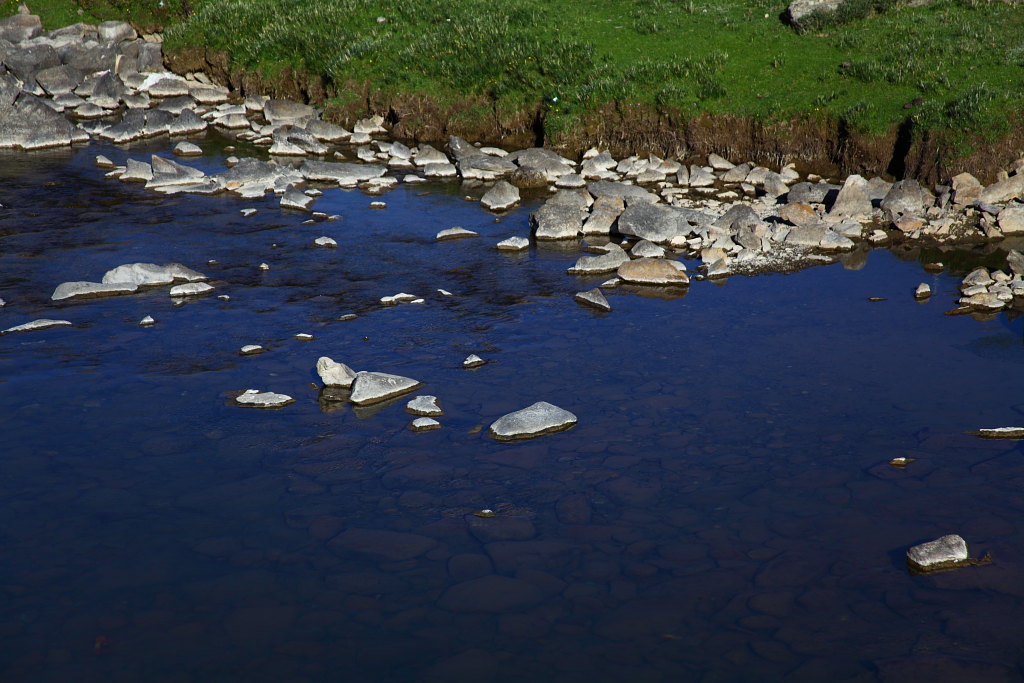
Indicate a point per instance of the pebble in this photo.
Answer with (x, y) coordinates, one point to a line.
(444, 292)
(264, 267)
(187, 149)
(923, 291)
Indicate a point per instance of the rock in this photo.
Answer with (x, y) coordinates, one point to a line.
(116, 31)
(287, 112)
(719, 268)
(536, 420)
(59, 80)
(191, 289)
(188, 149)
(374, 387)
(168, 173)
(942, 553)
(40, 324)
(647, 249)
(570, 181)
(473, 361)
(20, 27)
(150, 274)
(442, 170)
(1003, 191)
(906, 197)
(966, 189)
(719, 163)
(345, 174)
(800, 13)
(853, 199)
(424, 424)
(327, 132)
(500, 197)
(251, 350)
(513, 244)
(1016, 262)
(593, 298)
(147, 321)
(527, 177)
(382, 544)
(648, 271)
(701, 177)
(493, 594)
(454, 234)
(833, 241)
(325, 242)
(1015, 433)
(654, 222)
(334, 374)
(370, 126)
(427, 155)
(556, 222)
(607, 262)
(29, 123)
(978, 276)
(294, 198)
(798, 213)
(1011, 220)
(426, 406)
(923, 291)
(809, 235)
(630, 193)
(90, 290)
(137, 172)
(253, 398)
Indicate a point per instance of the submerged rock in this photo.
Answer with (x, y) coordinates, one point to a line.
(334, 374)
(374, 387)
(1016, 433)
(40, 324)
(253, 398)
(535, 420)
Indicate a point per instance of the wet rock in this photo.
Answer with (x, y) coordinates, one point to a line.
(648, 271)
(251, 350)
(40, 324)
(334, 374)
(1015, 433)
(500, 197)
(923, 291)
(326, 242)
(345, 174)
(426, 406)
(607, 262)
(253, 398)
(374, 387)
(454, 234)
(513, 244)
(150, 274)
(491, 594)
(942, 553)
(593, 298)
(654, 222)
(90, 290)
(527, 177)
(381, 544)
(536, 420)
(191, 289)
(473, 361)
(570, 181)
(424, 424)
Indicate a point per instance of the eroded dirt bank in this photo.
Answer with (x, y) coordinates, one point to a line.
(825, 146)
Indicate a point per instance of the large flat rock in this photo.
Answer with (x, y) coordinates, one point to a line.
(536, 420)
(374, 387)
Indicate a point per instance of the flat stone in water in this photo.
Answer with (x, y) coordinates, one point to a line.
(455, 233)
(40, 324)
(1000, 433)
(253, 398)
(942, 553)
(191, 289)
(90, 290)
(513, 244)
(150, 274)
(424, 424)
(251, 349)
(473, 361)
(648, 271)
(424, 405)
(593, 298)
(535, 420)
(374, 387)
(326, 242)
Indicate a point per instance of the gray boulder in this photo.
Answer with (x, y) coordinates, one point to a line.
(607, 262)
(286, 112)
(500, 197)
(853, 199)
(31, 124)
(90, 57)
(1004, 190)
(801, 13)
(555, 221)
(22, 26)
(150, 274)
(654, 222)
(116, 31)
(294, 198)
(25, 62)
(59, 80)
(169, 172)
(631, 194)
(374, 387)
(906, 197)
(593, 298)
(942, 553)
(533, 421)
(346, 174)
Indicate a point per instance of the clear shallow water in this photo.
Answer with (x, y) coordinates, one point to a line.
(723, 511)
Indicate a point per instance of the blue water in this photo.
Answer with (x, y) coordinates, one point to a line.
(723, 511)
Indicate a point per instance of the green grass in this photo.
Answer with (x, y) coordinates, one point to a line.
(959, 65)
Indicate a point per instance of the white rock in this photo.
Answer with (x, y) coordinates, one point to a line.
(254, 398)
(536, 420)
(150, 274)
(191, 289)
(593, 298)
(374, 387)
(513, 244)
(105, 163)
(334, 374)
(943, 552)
(147, 321)
(500, 197)
(923, 291)
(473, 361)
(90, 290)
(40, 324)
(264, 267)
(1000, 433)
(424, 424)
(455, 233)
(302, 336)
(293, 198)
(378, 205)
(444, 292)
(325, 241)
(251, 349)
(424, 405)
(187, 149)
(248, 213)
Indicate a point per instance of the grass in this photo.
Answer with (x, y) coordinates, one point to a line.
(954, 65)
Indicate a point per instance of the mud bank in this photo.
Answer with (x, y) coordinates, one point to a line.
(826, 146)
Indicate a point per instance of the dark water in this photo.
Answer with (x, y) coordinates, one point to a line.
(723, 511)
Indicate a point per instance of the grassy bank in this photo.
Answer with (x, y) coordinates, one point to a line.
(954, 67)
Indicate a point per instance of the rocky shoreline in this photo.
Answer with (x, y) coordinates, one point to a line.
(639, 214)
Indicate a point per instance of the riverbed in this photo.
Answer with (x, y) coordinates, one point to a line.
(724, 509)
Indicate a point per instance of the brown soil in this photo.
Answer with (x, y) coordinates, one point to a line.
(818, 145)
